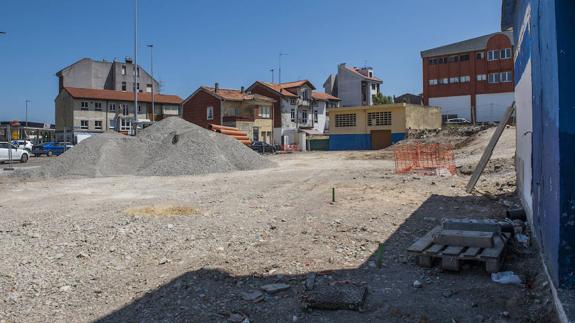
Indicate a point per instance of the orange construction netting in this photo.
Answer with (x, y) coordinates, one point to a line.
(425, 158)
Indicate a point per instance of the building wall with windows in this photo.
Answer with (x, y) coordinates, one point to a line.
(472, 68)
(351, 127)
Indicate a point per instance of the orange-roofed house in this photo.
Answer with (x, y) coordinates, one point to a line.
(298, 111)
(251, 113)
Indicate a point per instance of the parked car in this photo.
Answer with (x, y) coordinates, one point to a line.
(17, 154)
(51, 148)
(23, 144)
(457, 121)
(263, 147)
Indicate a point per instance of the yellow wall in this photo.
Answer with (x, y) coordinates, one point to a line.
(265, 125)
(420, 118)
(397, 119)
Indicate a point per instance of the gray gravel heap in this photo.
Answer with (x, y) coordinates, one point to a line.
(155, 152)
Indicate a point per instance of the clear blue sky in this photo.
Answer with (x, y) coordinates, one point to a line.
(228, 41)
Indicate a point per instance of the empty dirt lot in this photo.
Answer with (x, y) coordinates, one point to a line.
(143, 249)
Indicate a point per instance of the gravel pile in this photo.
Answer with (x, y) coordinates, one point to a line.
(170, 147)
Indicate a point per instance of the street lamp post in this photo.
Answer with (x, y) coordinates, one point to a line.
(280, 67)
(151, 46)
(135, 67)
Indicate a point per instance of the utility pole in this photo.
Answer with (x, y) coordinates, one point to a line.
(151, 46)
(26, 118)
(272, 70)
(135, 125)
(280, 67)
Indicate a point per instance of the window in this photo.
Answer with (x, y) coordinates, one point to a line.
(125, 110)
(454, 80)
(315, 115)
(149, 88)
(481, 77)
(123, 69)
(210, 113)
(140, 108)
(494, 78)
(292, 114)
(480, 55)
(370, 74)
(98, 106)
(112, 124)
(506, 53)
(83, 124)
(124, 86)
(264, 112)
(138, 86)
(382, 118)
(304, 116)
(493, 55)
(433, 82)
(373, 86)
(433, 61)
(305, 94)
(506, 77)
(452, 59)
(345, 120)
(465, 79)
(464, 58)
(138, 72)
(444, 81)
(125, 125)
(98, 124)
(112, 107)
(293, 101)
(84, 105)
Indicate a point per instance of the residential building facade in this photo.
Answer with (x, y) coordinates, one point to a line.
(82, 112)
(472, 79)
(378, 126)
(322, 102)
(409, 98)
(104, 75)
(354, 86)
(251, 113)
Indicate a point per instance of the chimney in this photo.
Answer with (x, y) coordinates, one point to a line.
(242, 89)
(216, 87)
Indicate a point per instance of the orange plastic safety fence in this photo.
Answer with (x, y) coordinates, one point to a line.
(425, 158)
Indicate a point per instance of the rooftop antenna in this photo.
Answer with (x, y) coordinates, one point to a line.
(280, 67)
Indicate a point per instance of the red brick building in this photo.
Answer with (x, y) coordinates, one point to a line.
(472, 79)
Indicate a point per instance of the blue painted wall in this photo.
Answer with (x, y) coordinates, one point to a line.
(550, 46)
(357, 141)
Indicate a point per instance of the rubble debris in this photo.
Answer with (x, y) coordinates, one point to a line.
(506, 278)
(336, 297)
(253, 296)
(151, 153)
(275, 288)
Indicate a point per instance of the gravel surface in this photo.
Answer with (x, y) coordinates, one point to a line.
(203, 248)
(170, 147)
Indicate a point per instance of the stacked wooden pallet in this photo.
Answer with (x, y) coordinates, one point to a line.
(460, 240)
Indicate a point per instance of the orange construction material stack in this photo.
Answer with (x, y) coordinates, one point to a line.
(425, 158)
(232, 132)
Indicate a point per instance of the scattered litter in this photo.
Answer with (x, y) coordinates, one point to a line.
(523, 239)
(506, 278)
(340, 297)
(274, 288)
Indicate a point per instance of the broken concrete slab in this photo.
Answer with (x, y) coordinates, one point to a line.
(337, 297)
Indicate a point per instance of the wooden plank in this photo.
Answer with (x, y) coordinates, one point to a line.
(489, 150)
(452, 250)
(487, 225)
(434, 249)
(464, 238)
(495, 252)
(471, 252)
(450, 263)
(423, 242)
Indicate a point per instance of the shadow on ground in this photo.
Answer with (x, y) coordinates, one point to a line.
(212, 295)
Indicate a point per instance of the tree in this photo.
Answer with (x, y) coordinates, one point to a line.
(381, 99)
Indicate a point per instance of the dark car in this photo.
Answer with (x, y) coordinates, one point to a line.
(51, 148)
(263, 147)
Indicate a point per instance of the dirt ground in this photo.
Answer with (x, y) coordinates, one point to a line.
(184, 249)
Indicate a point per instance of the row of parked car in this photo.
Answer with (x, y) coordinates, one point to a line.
(23, 149)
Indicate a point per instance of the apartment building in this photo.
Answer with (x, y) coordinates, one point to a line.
(104, 75)
(321, 102)
(353, 85)
(295, 111)
(251, 113)
(82, 112)
(472, 79)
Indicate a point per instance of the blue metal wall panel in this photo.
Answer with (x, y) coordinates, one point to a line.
(350, 142)
(395, 137)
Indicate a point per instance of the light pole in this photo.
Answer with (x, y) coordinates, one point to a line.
(280, 67)
(26, 118)
(151, 46)
(135, 67)
(272, 70)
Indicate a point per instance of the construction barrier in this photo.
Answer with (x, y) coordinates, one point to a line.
(425, 158)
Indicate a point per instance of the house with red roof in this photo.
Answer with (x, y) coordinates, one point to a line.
(298, 111)
(355, 86)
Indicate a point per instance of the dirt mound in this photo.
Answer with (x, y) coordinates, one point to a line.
(170, 147)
